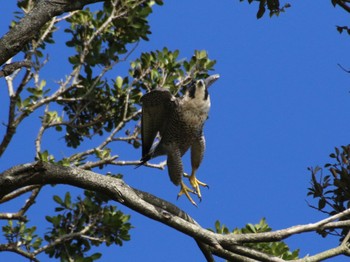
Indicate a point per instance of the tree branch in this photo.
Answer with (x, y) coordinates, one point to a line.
(343, 5)
(62, 239)
(13, 42)
(28, 203)
(11, 123)
(8, 69)
(17, 193)
(13, 248)
(228, 246)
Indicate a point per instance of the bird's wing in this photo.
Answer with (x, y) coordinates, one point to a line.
(155, 110)
(197, 152)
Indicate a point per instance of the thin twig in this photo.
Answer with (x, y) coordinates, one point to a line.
(346, 70)
(108, 140)
(17, 193)
(20, 214)
(13, 248)
(64, 17)
(9, 68)
(62, 239)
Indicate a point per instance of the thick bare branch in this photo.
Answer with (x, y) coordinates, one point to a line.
(227, 246)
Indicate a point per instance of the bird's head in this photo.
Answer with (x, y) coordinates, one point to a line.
(211, 79)
(199, 90)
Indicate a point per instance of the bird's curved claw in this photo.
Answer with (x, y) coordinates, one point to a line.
(195, 183)
(185, 190)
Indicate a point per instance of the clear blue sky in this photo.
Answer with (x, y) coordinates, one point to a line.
(280, 106)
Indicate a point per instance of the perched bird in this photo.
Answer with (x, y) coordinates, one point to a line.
(179, 123)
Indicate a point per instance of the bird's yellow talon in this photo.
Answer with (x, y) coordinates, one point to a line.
(185, 190)
(195, 183)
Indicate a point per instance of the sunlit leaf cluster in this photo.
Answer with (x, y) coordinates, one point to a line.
(162, 68)
(101, 36)
(18, 233)
(278, 248)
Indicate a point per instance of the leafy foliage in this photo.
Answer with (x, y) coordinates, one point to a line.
(278, 249)
(103, 105)
(332, 191)
(80, 225)
(17, 233)
(272, 5)
(99, 39)
(341, 29)
(96, 105)
(162, 68)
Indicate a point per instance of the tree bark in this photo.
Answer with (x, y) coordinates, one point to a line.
(14, 41)
(227, 246)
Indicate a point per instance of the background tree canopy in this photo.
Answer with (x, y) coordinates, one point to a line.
(70, 105)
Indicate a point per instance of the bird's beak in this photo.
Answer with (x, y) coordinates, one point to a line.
(211, 79)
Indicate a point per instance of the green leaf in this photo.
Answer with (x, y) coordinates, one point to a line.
(119, 82)
(337, 150)
(201, 54)
(73, 60)
(261, 10)
(44, 156)
(96, 256)
(217, 226)
(26, 102)
(67, 200)
(340, 29)
(37, 242)
(58, 200)
(251, 228)
(42, 84)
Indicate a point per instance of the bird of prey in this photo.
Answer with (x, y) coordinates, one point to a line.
(179, 122)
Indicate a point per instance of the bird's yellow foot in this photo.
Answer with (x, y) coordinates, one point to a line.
(195, 184)
(185, 190)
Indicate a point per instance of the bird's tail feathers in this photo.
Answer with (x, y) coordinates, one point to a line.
(145, 158)
(148, 156)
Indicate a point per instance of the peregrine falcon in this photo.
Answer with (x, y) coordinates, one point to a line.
(179, 123)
